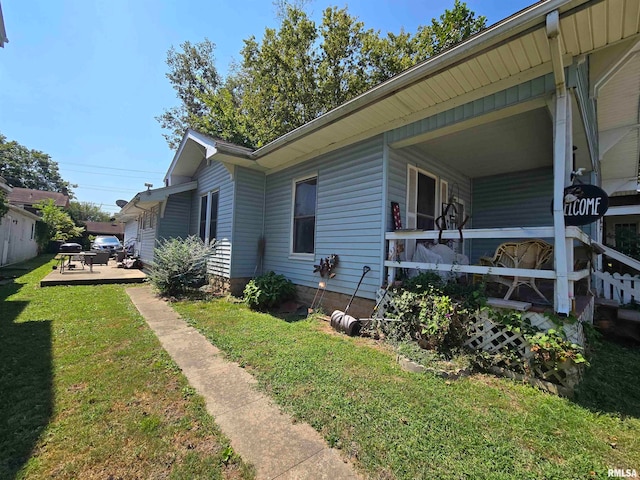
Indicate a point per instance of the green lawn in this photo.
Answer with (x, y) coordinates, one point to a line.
(86, 391)
(395, 424)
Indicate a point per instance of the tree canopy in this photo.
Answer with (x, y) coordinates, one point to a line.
(87, 212)
(297, 72)
(25, 168)
(59, 225)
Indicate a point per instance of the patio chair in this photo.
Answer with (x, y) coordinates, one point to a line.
(529, 254)
(97, 259)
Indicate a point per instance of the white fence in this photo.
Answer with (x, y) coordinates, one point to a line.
(623, 288)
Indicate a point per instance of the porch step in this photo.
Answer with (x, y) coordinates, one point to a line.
(605, 302)
(629, 315)
(511, 304)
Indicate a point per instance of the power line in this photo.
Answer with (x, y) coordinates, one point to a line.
(108, 174)
(102, 187)
(113, 168)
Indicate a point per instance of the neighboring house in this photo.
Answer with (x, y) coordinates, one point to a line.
(489, 124)
(17, 232)
(26, 198)
(105, 228)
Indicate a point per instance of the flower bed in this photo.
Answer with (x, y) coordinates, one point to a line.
(449, 318)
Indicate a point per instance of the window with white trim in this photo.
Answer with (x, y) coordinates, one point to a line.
(423, 205)
(304, 216)
(208, 227)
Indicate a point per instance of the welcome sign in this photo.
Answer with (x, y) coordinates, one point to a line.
(584, 204)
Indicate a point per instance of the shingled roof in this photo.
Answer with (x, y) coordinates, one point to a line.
(27, 197)
(105, 228)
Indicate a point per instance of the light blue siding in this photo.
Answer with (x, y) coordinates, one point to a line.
(216, 177)
(348, 218)
(147, 245)
(520, 199)
(248, 221)
(524, 92)
(175, 222)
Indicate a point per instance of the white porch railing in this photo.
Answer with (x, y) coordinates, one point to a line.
(623, 288)
(507, 233)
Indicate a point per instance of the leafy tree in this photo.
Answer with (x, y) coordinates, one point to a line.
(192, 72)
(297, 72)
(452, 28)
(4, 205)
(278, 78)
(87, 212)
(342, 68)
(59, 225)
(26, 168)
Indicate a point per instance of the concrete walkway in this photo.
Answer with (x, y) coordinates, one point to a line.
(259, 432)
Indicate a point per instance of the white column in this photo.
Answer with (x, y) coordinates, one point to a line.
(562, 303)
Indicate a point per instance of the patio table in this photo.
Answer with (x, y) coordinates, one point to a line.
(62, 259)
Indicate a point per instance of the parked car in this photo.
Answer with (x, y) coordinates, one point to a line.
(107, 243)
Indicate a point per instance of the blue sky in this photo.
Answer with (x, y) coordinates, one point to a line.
(83, 80)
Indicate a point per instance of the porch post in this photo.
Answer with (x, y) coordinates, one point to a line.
(562, 302)
(561, 127)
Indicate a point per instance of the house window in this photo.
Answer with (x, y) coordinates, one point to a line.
(203, 217)
(153, 216)
(421, 200)
(626, 237)
(304, 215)
(213, 216)
(209, 216)
(426, 207)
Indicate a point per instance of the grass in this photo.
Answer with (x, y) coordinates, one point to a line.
(395, 424)
(88, 392)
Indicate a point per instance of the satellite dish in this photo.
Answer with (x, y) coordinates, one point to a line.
(121, 203)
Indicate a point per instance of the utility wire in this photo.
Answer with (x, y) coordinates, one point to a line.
(103, 187)
(112, 168)
(108, 174)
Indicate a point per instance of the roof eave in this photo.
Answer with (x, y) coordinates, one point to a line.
(212, 147)
(524, 20)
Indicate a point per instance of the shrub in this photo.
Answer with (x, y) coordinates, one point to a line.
(180, 265)
(268, 291)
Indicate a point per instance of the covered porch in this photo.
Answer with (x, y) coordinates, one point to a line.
(497, 176)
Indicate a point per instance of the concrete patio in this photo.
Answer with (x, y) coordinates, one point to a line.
(101, 274)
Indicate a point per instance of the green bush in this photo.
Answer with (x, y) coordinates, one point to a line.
(180, 265)
(268, 291)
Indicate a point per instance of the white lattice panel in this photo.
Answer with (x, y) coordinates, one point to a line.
(497, 339)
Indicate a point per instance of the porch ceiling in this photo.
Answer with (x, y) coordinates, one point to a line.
(618, 102)
(520, 142)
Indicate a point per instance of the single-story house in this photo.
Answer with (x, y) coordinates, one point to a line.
(27, 197)
(105, 228)
(17, 232)
(495, 125)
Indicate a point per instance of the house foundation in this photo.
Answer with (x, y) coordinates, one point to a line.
(360, 307)
(225, 286)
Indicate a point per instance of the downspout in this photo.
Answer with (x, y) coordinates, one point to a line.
(562, 303)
